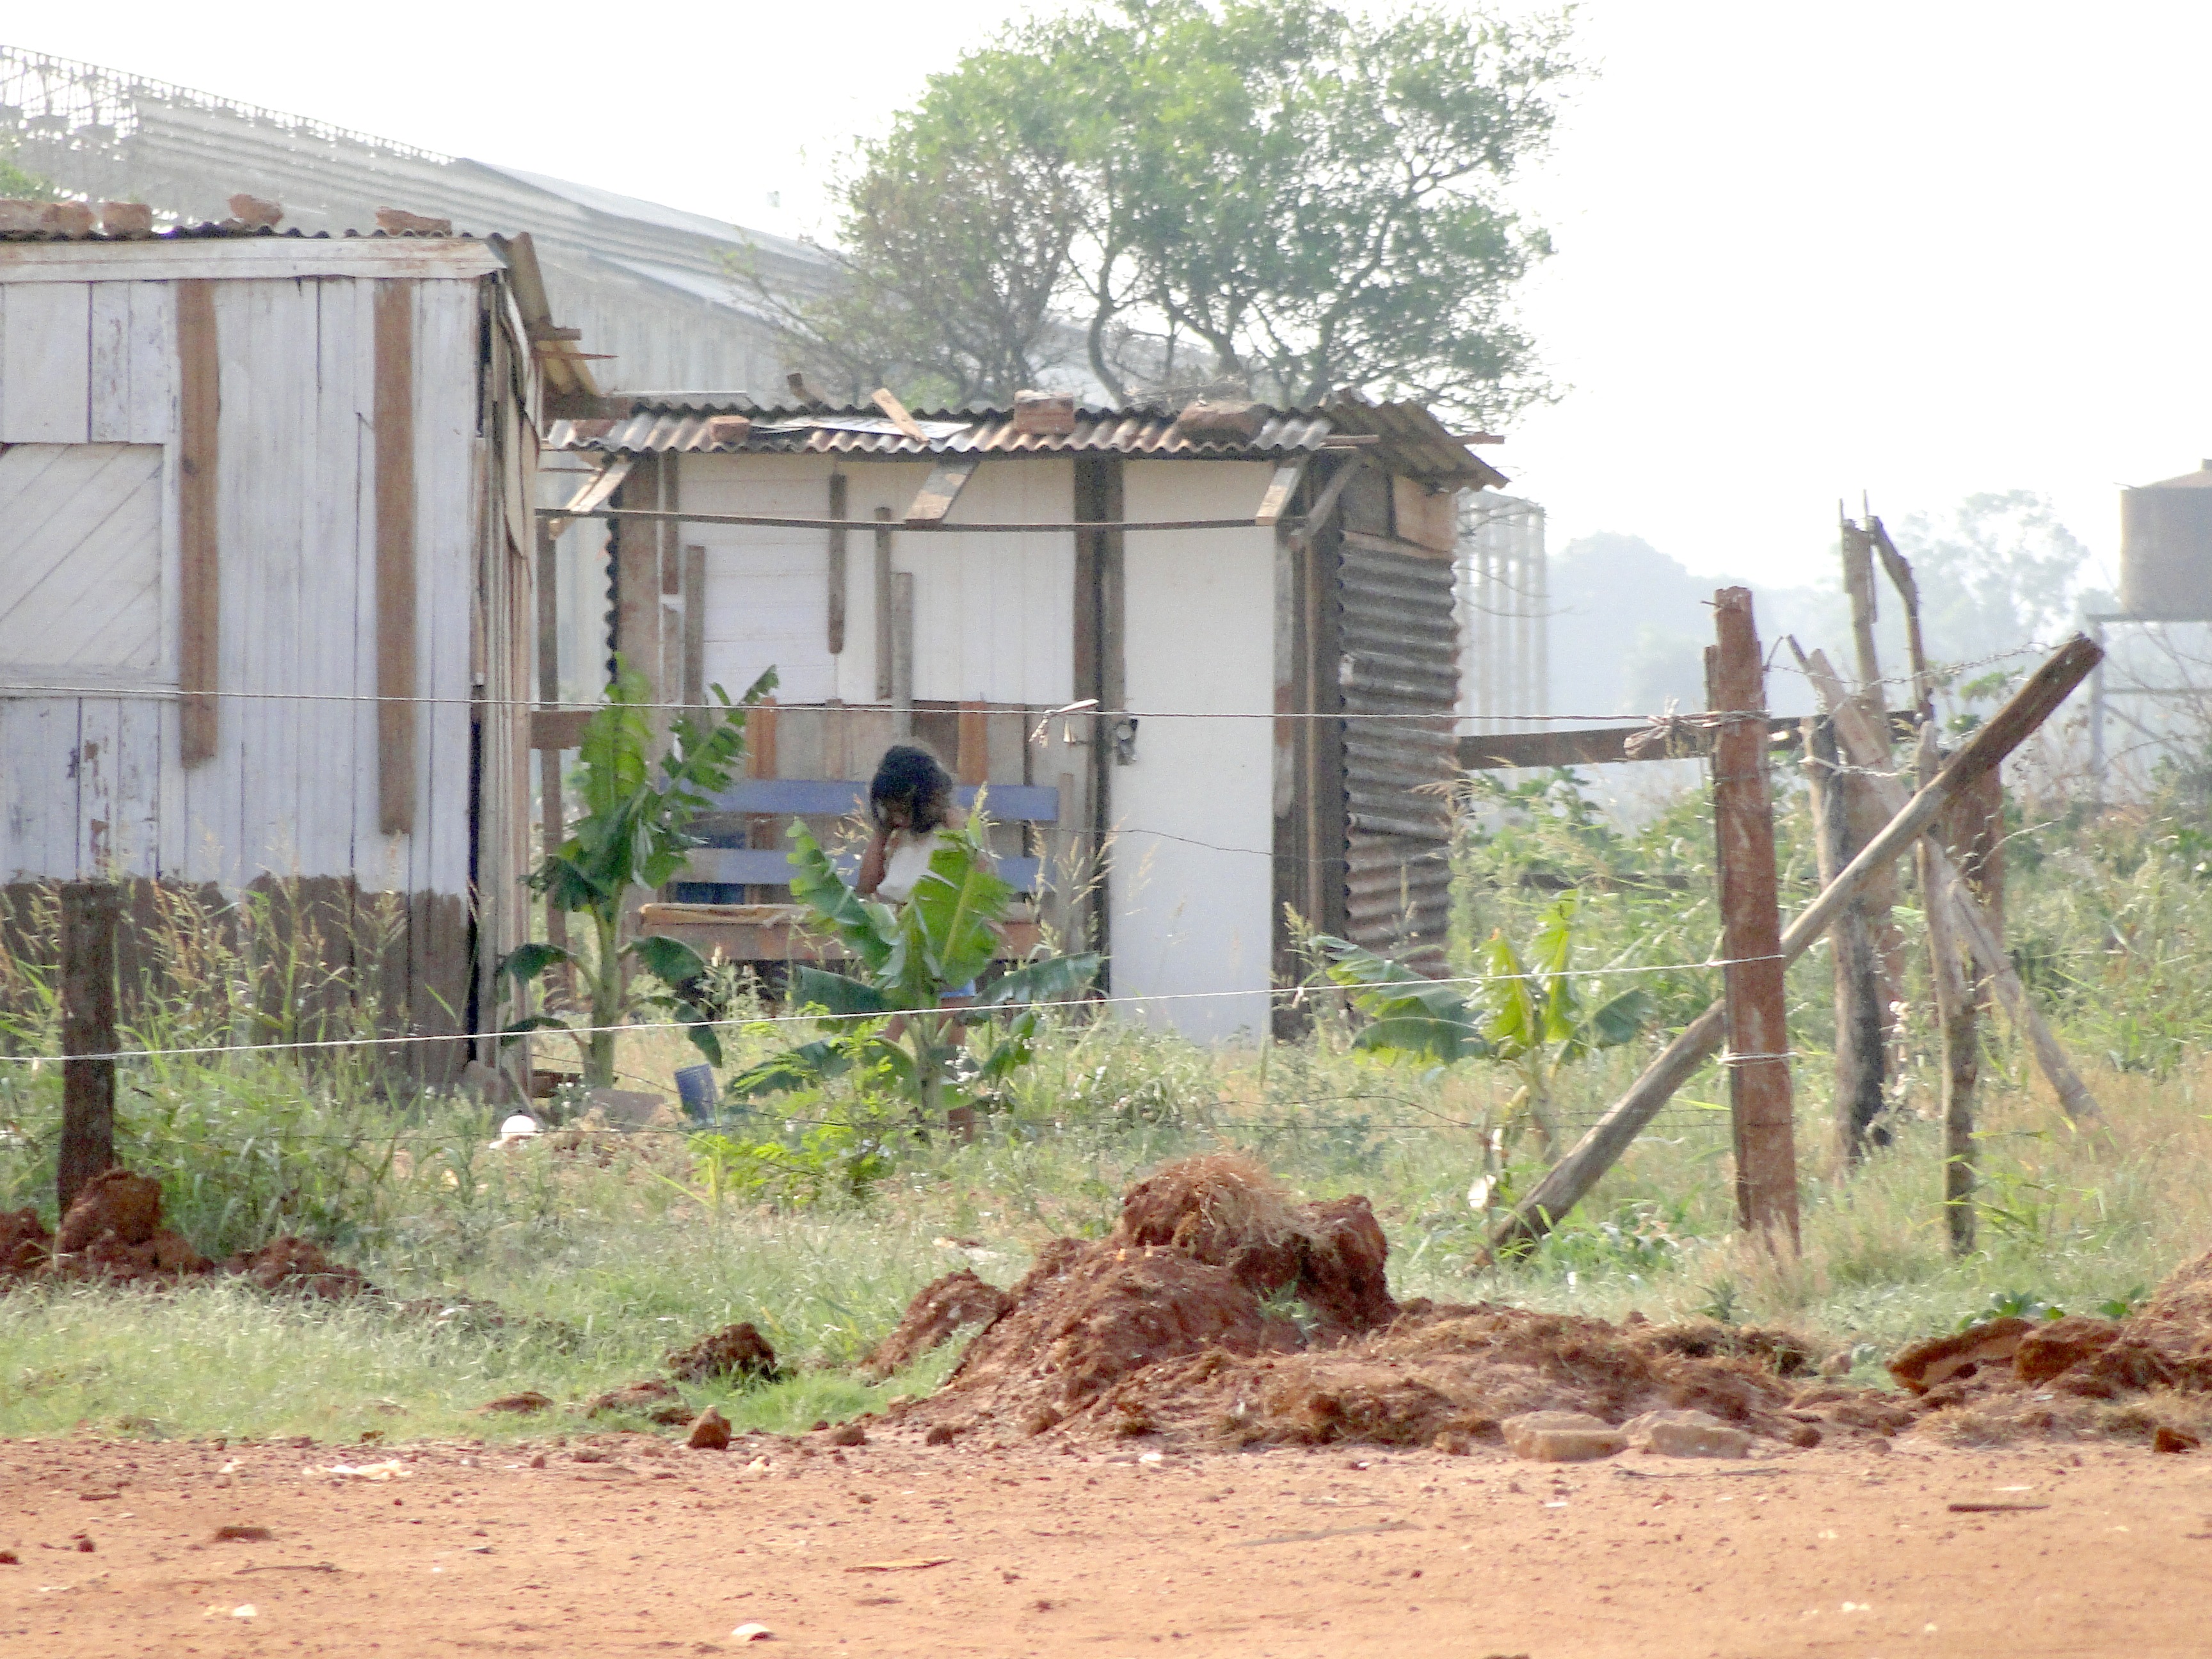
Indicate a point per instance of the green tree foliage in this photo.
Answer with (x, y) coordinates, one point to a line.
(634, 834)
(17, 186)
(1290, 197)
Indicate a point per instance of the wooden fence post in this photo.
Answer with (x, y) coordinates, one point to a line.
(1860, 1049)
(1566, 1182)
(88, 1148)
(1760, 1096)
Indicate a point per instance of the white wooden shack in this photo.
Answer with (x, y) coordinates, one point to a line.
(266, 610)
(1263, 621)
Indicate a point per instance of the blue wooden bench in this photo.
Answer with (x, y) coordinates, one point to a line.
(720, 870)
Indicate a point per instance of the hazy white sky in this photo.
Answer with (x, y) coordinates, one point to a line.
(1921, 249)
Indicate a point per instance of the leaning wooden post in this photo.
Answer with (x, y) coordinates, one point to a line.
(88, 1148)
(1573, 1176)
(1974, 926)
(1760, 1100)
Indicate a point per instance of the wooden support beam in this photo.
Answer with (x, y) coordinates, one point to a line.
(1281, 488)
(694, 585)
(1325, 503)
(1573, 1176)
(199, 596)
(940, 490)
(972, 763)
(87, 1143)
(837, 566)
(886, 637)
(1761, 1104)
(394, 404)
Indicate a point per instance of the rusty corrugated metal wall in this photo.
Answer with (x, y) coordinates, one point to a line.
(1400, 658)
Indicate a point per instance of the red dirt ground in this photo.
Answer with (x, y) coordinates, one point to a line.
(1292, 1552)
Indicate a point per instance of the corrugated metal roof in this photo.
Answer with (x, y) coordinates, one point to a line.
(1412, 441)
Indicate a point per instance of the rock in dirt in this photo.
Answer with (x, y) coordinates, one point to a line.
(524, 1404)
(652, 1399)
(1561, 1436)
(297, 1267)
(945, 1308)
(710, 1432)
(242, 1534)
(734, 1352)
(26, 1246)
(2170, 1439)
(1685, 1434)
(848, 1434)
(2051, 1348)
(1992, 1344)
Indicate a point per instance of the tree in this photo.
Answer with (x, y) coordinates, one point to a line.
(17, 186)
(1999, 573)
(1289, 198)
(634, 834)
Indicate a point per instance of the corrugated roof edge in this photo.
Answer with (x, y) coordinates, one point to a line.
(213, 231)
(1416, 443)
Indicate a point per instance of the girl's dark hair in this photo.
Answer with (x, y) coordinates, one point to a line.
(913, 778)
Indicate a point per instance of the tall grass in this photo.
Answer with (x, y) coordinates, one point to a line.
(599, 1253)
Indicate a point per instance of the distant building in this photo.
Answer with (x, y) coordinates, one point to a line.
(1270, 691)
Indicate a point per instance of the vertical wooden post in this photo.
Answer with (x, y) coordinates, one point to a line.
(396, 686)
(1859, 1022)
(553, 815)
(1961, 1040)
(1864, 816)
(836, 640)
(88, 1147)
(972, 760)
(199, 593)
(695, 626)
(1759, 1093)
(902, 655)
(886, 633)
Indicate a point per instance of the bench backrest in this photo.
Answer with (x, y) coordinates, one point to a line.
(725, 866)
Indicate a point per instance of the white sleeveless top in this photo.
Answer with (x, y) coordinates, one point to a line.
(907, 863)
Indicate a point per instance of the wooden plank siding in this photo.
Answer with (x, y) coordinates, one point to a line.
(260, 468)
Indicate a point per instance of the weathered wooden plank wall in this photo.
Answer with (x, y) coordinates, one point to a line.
(268, 388)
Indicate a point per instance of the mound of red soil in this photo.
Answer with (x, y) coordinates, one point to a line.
(113, 1232)
(116, 1202)
(26, 1246)
(735, 1351)
(945, 1306)
(297, 1267)
(1179, 1323)
(2078, 1374)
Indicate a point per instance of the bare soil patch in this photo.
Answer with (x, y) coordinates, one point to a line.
(630, 1544)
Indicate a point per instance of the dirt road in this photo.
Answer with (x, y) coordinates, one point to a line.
(902, 1550)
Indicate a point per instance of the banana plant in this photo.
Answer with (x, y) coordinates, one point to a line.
(634, 834)
(1541, 1025)
(1538, 1026)
(904, 958)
